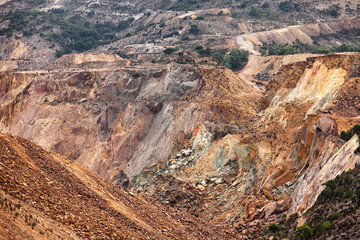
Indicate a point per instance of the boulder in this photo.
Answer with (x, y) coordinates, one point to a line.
(327, 125)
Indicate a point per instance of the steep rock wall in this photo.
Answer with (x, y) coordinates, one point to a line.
(278, 163)
(114, 118)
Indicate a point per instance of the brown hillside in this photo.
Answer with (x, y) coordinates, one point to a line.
(44, 195)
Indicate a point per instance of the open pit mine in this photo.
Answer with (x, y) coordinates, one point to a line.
(226, 147)
(146, 136)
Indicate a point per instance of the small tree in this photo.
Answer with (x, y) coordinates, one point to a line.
(326, 226)
(303, 232)
(285, 6)
(194, 30)
(330, 184)
(169, 50)
(265, 5)
(274, 228)
(254, 12)
(236, 59)
(218, 55)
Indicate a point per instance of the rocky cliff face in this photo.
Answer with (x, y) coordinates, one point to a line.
(256, 144)
(109, 110)
(24, 53)
(114, 119)
(277, 164)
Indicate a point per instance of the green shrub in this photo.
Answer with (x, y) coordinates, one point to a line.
(274, 228)
(265, 5)
(204, 52)
(336, 48)
(218, 55)
(297, 7)
(123, 24)
(175, 33)
(285, 6)
(326, 225)
(185, 38)
(333, 11)
(303, 232)
(323, 227)
(321, 50)
(254, 12)
(285, 49)
(169, 50)
(198, 48)
(235, 15)
(202, 17)
(358, 194)
(339, 192)
(281, 49)
(236, 60)
(347, 135)
(333, 216)
(331, 184)
(194, 29)
(73, 33)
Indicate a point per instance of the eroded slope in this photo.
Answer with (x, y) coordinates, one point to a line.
(45, 196)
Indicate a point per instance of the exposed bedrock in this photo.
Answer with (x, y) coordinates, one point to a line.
(201, 139)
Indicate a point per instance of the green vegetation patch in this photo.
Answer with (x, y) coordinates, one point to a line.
(236, 59)
(339, 200)
(303, 232)
(71, 33)
(287, 49)
(336, 48)
(194, 29)
(186, 5)
(282, 49)
(274, 228)
(335, 211)
(24, 21)
(347, 135)
(170, 50)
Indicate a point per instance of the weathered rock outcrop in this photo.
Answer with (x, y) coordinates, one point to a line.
(26, 53)
(278, 164)
(115, 118)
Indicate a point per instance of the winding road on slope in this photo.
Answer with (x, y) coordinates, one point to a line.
(240, 40)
